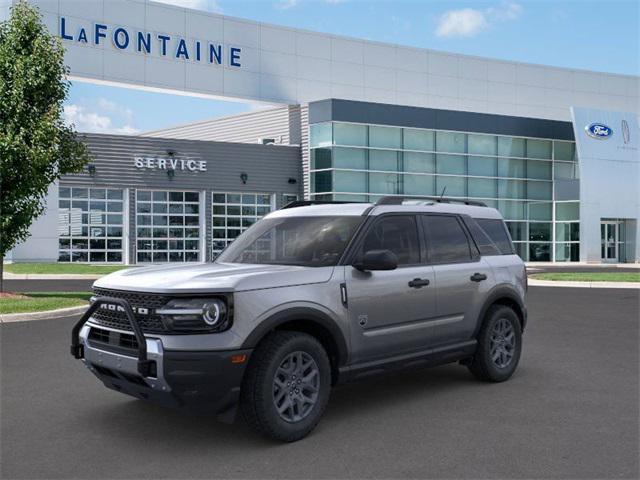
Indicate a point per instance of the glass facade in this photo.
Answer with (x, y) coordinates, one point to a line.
(233, 213)
(357, 162)
(167, 226)
(90, 225)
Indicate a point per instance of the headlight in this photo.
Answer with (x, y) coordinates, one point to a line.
(195, 314)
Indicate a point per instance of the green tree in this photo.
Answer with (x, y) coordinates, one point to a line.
(36, 147)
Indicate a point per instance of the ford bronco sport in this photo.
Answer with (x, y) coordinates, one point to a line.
(309, 296)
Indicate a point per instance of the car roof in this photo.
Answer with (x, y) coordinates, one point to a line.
(357, 209)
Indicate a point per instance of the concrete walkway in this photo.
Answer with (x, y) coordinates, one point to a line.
(52, 276)
(553, 283)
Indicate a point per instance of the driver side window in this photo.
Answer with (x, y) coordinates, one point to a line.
(397, 233)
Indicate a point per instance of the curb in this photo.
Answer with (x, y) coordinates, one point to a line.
(552, 283)
(50, 276)
(48, 314)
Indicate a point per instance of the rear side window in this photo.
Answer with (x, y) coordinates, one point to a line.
(497, 232)
(446, 239)
(398, 234)
(483, 242)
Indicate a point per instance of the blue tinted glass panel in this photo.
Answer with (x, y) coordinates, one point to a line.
(350, 134)
(539, 190)
(539, 211)
(451, 142)
(512, 210)
(419, 139)
(385, 160)
(451, 164)
(355, 158)
(483, 166)
(451, 186)
(419, 162)
(355, 182)
(419, 185)
(511, 167)
(385, 137)
(564, 150)
(483, 144)
(386, 183)
(511, 147)
(539, 169)
(320, 158)
(567, 211)
(511, 189)
(320, 135)
(538, 148)
(483, 188)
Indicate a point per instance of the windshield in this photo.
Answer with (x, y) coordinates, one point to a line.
(304, 241)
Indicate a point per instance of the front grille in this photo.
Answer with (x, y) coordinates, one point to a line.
(149, 323)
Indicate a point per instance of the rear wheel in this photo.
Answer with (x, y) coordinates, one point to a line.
(287, 386)
(499, 345)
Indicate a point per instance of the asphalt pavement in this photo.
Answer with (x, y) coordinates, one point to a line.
(571, 411)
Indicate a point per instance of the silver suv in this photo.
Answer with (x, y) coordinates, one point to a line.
(312, 295)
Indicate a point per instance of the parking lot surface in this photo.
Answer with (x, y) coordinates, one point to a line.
(571, 411)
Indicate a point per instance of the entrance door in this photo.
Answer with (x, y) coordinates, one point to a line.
(609, 232)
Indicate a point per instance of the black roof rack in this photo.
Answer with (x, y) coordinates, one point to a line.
(306, 203)
(395, 200)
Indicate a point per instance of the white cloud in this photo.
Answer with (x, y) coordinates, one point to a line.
(207, 5)
(467, 22)
(105, 117)
(286, 4)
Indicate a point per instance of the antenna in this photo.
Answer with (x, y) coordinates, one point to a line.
(442, 194)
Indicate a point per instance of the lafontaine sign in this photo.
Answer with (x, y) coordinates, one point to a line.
(160, 44)
(171, 163)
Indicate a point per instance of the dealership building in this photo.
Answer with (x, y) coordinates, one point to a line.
(555, 150)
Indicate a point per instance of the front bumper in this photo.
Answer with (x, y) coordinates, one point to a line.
(204, 380)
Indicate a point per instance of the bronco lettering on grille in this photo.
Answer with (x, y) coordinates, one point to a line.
(118, 308)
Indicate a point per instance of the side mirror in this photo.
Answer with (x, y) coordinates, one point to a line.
(377, 260)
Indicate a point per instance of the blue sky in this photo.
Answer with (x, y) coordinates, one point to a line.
(597, 35)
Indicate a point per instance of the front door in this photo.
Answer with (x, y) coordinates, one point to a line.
(609, 241)
(390, 311)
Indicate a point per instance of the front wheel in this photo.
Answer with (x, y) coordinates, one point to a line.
(287, 386)
(499, 345)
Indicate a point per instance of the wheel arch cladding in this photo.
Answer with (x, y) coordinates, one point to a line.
(312, 322)
(508, 298)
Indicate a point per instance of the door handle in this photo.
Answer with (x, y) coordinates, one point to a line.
(419, 283)
(478, 277)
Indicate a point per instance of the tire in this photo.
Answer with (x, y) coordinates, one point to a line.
(499, 345)
(269, 383)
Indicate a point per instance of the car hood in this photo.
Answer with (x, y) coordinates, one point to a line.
(211, 277)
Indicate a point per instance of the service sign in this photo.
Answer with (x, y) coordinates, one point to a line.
(170, 163)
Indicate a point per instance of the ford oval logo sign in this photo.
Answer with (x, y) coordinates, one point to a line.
(599, 131)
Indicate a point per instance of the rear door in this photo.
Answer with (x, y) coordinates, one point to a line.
(389, 310)
(462, 278)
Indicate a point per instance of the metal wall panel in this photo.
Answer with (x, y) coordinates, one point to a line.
(269, 167)
(281, 124)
